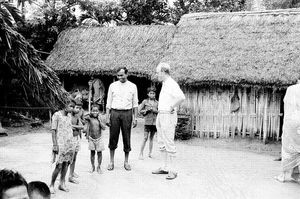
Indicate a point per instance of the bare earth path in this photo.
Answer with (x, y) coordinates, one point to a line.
(204, 172)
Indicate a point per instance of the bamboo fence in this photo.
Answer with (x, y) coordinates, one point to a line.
(258, 116)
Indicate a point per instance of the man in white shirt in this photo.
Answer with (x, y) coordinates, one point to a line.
(121, 112)
(169, 98)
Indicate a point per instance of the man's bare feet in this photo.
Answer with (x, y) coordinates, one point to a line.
(63, 188)
(92, 169)
(110, 167)
(127, 166)
(150, 155)
(52, 190)
(99, 170)
(72, 180)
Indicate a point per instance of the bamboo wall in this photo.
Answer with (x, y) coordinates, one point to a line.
(213, 115)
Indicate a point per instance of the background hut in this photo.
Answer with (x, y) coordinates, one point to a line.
(235, 68)
(98, 51)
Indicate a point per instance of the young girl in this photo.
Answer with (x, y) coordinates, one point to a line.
(148, 108)
(63, 145)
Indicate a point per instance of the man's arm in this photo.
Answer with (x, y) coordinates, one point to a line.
(178, 96)
(108, 105)
(135, 106)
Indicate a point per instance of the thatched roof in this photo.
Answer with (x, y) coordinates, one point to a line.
(100, 50)
(251, 48)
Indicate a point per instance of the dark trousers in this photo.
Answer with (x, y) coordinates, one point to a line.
(120, 120)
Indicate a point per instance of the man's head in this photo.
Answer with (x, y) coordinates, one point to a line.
(122, 74)
(38, 190)
(12, 185)
(151, 92)
(163, 71)
(95, 110)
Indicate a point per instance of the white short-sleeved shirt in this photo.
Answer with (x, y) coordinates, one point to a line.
(122, 96)
(169, 94)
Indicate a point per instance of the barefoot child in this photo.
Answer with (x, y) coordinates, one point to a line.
(94, 136)
(63, 145)
(77, 127)
(148, 109)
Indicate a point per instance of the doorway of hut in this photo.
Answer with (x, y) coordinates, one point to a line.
(80, 82)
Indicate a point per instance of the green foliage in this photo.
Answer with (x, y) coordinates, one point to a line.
(43, 33)
(145, 11)
(182, 7)
(9, 13)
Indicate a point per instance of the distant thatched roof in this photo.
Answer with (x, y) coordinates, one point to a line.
(254, 48)
(99, 50)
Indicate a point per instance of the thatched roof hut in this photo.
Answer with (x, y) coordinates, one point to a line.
(99, 51)
(249, 48)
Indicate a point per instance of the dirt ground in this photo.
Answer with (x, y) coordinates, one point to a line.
(207, 168)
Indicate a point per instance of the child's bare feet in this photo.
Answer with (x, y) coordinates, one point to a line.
(150, 155)
(92, 169)
(99, 170)
(63, 188)
(280, 178)
(75, 175)
(52, 190)
(141, 157)
(72, 180)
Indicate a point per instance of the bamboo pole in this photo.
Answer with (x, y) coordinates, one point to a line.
(265, 121)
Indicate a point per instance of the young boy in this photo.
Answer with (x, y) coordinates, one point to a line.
(148, 109)
(38, 190)
(77, 127)
(94, 136)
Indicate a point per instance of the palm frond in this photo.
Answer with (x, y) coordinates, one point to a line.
(13, 11)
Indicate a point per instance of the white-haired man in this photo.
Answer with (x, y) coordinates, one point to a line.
(169, 98)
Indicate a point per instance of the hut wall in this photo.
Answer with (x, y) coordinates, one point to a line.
(230, 112)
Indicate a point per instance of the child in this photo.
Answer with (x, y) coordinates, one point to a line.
(94, 136)
(38, 190)
(148, 109)
(77, 127)
(63, 144)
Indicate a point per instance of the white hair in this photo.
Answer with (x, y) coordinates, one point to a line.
(164, 67)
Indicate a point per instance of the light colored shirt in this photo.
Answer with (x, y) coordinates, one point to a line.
(169, 94)
(122, 96)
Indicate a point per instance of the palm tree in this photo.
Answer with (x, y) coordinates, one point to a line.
(19, 60)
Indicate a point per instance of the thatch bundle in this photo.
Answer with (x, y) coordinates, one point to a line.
(102, 50)
(21, 61)
(251, 48)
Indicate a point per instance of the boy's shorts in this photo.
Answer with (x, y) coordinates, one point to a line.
(150, 128)
(96, 144)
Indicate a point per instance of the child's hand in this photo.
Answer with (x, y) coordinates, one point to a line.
(55, 149)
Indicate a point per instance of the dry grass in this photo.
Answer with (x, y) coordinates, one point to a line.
(251, 48)
(103, 50)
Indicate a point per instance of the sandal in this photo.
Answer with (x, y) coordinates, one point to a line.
(171, 175)
(127, 167)
(159, 171)
(110, 167)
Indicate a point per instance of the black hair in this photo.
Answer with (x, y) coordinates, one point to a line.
(95, 105)
(40, 187)
(10, 179)
(122, 68)
(151, 89)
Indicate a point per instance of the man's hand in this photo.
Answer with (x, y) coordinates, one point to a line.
(107, 120)
(134, 123)
(172, 109)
